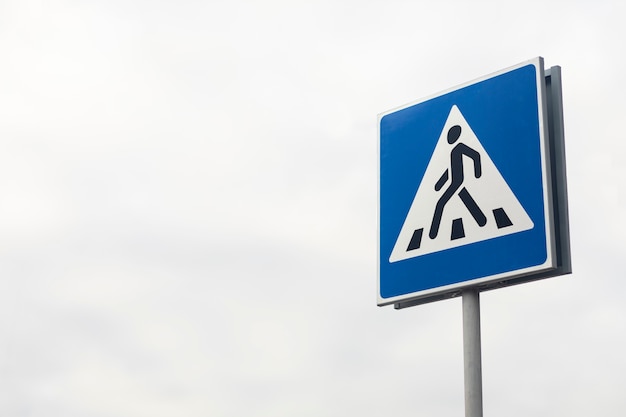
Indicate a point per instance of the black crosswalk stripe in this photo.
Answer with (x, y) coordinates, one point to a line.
(502, 220)
(416, 240)
(458, 231)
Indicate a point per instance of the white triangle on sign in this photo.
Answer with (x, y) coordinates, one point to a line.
(471, 206)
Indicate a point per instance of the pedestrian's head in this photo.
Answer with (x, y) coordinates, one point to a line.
(454, 133)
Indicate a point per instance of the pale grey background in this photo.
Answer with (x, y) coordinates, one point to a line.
(188, 210)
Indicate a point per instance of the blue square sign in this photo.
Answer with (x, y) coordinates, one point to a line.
(464, 189)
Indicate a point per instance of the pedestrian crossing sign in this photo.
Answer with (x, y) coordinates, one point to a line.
(465, 188)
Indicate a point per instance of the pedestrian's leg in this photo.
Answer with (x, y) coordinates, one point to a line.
(434, 226)
(473, 208)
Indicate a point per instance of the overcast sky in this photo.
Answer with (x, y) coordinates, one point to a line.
(188, 210)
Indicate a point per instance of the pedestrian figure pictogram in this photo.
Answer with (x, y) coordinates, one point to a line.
(456, 174)
(454, 204)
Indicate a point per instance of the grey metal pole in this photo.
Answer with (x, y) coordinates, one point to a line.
(471, 354)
